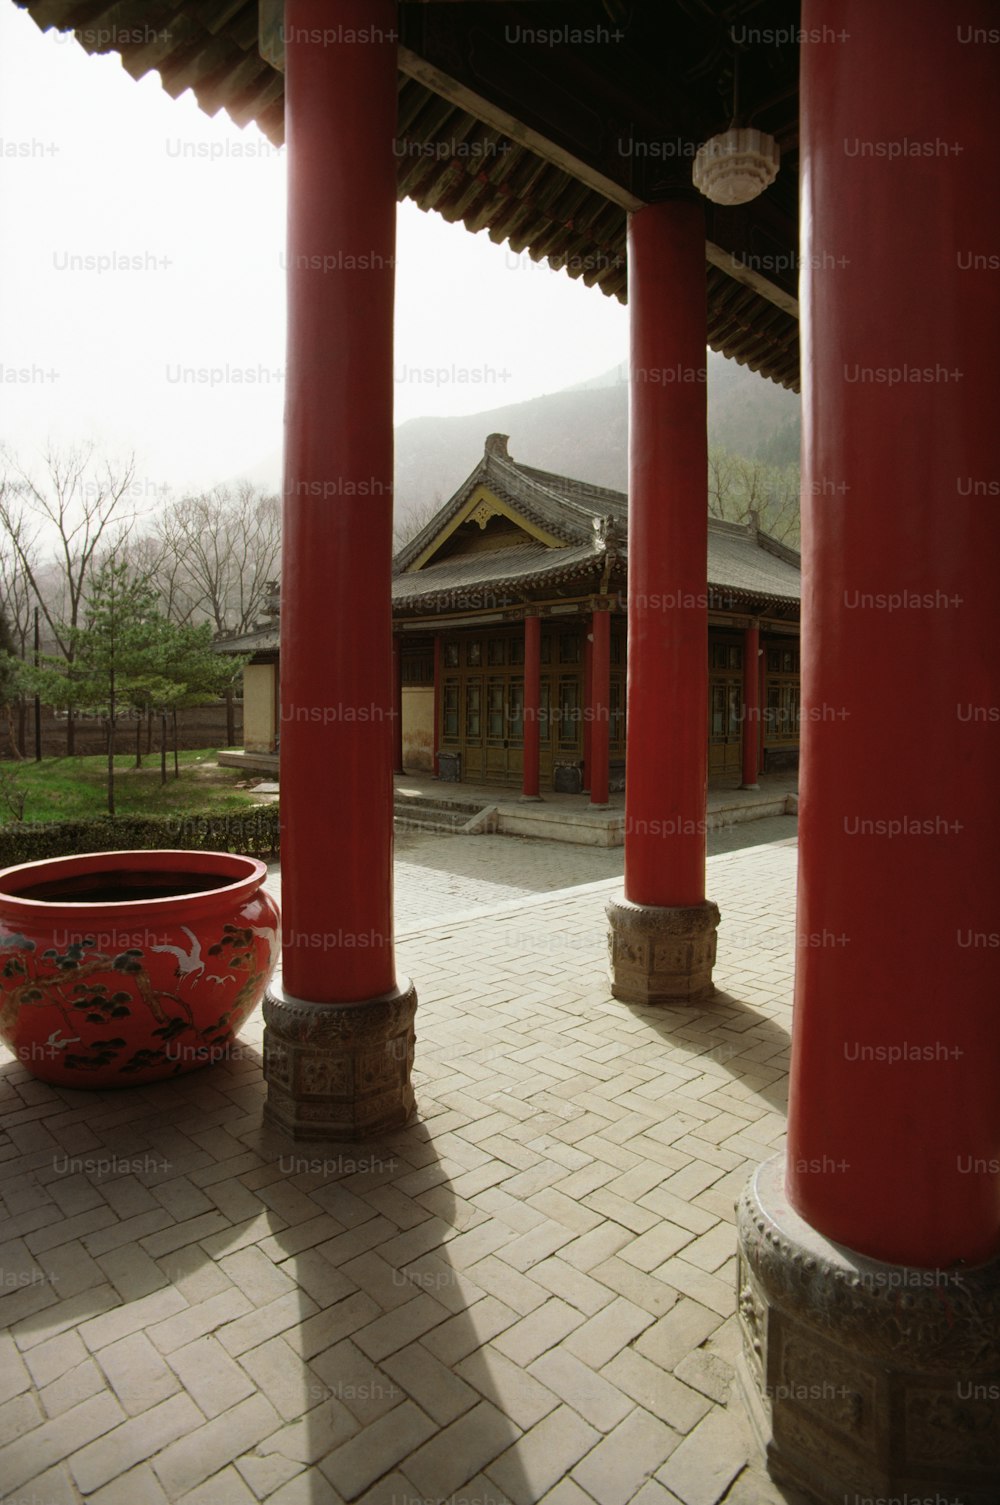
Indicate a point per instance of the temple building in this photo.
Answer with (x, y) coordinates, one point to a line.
(516, 545)
(741, 170)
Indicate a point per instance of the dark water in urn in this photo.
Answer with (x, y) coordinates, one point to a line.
(116, 887)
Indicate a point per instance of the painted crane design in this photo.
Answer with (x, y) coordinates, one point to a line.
(188, 963)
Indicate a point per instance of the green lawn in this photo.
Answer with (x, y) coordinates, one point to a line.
(76, 788)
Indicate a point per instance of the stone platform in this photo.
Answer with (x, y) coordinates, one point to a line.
(556, 816)
(570, 817)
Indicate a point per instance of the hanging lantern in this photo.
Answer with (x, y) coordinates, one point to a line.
(736, 166)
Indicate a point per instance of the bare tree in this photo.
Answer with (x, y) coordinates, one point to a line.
(219, 550)
(742, 490)
(218, 553)
(155, 556)
(17, 609)
(413, 521)
(10, 694)
(75, 508)
(16, 598)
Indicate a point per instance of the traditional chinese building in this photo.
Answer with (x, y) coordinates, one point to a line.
(521, 563)
(876, 238)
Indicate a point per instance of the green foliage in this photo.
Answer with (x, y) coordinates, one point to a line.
(255, 833)
(782, 446)
(74, 788)
(128, 656)
(195, 670)
(114, 657)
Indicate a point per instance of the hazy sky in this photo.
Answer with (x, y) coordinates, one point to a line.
(179, 220)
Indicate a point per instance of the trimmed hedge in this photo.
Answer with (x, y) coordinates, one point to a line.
(254, 833)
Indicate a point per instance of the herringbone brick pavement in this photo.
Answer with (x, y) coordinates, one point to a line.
(526, 1295)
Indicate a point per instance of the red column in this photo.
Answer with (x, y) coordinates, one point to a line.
(894, 1123)
(666, 753)
(751, 705)
(588, 695)
(336, 656)
(436, 735)
(397, 702)
(532, 705)
(600, 705)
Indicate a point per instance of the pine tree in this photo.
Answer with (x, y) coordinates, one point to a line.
(117, 655)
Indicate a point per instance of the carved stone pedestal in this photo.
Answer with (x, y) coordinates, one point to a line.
(660, 955)
(863, 1380)
(339, 1071)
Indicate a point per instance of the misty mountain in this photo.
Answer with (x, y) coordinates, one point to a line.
(580, 431)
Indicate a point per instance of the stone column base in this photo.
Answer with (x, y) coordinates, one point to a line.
(661, 955)
(864, 1380)
(339, 1071)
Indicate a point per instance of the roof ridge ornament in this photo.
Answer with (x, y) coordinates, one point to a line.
(496, 444)
(606, 532)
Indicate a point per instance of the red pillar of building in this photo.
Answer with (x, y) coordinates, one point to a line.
(532, 705)
(397, 702)
(588, 692)
(873, 1250)
(663, 935)
(751, 705)
(436, 735)
(666, 753)
(599, 709)
(898, 834)
(336, 663)
(336, 621)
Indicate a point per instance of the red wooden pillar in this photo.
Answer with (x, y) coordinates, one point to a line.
(599, 710)
(588, 694)
(532, 705)
(436, 735)
(900, 242)
(397, 702)
(751, 705)
(336, 652)
(889, 1199)
(665, 920)
(667, 751)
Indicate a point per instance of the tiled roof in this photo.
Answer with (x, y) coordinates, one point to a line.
(741, 561)
(751, 564)
(595, 498)
(744, 566)
(467, 582)
(261, 640)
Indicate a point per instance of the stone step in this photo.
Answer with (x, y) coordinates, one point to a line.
(426, 822)
(429, 802)
(428, 812)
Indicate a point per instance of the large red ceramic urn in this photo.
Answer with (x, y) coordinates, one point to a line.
(118, 968)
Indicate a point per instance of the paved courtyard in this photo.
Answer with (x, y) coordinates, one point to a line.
(526, 1295)
(442, 877)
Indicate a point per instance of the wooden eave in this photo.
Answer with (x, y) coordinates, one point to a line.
(544, 147)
